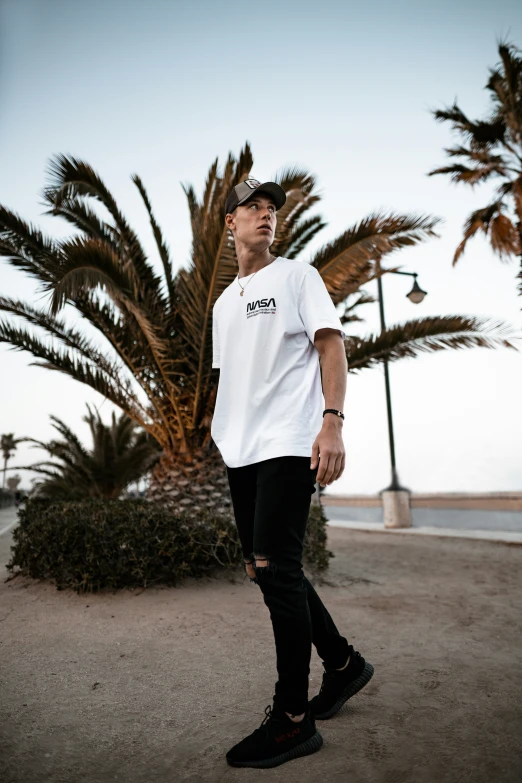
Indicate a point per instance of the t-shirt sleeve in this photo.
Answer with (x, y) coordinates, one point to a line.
(215, 340)
(316, 309)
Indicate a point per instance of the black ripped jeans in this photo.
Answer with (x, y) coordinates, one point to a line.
(271, 501)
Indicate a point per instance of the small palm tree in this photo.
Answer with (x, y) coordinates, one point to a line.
(492, 148)
(157, 364)
(120, 455)
(13, 482)
(8, 445)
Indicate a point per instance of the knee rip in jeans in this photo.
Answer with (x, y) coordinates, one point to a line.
(249, 568)
(263, 565)
(258, 566)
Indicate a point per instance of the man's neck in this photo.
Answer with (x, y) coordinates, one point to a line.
(250, 261)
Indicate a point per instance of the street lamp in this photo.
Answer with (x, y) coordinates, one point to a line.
(416, 294)
(395, 499)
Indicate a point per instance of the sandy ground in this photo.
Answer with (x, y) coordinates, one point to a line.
(156, 685)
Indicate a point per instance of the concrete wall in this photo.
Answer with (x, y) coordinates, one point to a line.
(488, 501)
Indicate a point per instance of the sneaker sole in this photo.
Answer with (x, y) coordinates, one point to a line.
(354, 687)
(304, 749)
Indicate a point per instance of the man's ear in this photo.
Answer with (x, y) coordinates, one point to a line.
(230, 221)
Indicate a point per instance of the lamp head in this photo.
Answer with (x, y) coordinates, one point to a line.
(416, 294)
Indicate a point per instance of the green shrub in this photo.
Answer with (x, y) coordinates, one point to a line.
(93, 544)
(315, 552)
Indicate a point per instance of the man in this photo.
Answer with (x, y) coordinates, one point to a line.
(276, 338)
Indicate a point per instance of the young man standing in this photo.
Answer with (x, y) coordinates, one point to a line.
(278, 342)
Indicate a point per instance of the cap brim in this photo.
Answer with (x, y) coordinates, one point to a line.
(273, 189)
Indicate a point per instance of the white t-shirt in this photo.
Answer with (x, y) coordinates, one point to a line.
(270, 401)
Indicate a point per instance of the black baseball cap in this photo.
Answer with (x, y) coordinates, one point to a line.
(245, 190)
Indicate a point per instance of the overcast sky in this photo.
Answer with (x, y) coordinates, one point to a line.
(344, 89)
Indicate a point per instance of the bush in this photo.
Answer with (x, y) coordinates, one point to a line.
(93, 544)
(315, 552)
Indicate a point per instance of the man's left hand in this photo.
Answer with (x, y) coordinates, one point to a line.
(328, 451)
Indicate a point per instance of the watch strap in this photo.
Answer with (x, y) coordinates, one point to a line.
(333, 410)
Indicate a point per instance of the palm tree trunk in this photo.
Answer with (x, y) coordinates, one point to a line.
(197, 484)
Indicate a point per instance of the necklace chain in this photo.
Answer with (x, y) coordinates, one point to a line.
(255, 273)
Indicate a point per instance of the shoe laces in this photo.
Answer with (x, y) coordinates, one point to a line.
(267, 720)
(328, 677)
(268, 715)
(331, 674)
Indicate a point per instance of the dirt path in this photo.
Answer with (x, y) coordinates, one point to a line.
(155, 685)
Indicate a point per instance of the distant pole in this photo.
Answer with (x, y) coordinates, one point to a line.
(395, 499)
(394, 485)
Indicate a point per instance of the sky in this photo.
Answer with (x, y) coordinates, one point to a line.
(343, 89)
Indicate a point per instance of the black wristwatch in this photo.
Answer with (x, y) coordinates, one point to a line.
(332, 410)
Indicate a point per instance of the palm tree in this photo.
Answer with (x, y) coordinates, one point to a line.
(492, 148)
(13, 482)
(8, 444)
(120, 455)
(157, 366)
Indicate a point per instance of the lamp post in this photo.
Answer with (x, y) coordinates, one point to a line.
(395, 498)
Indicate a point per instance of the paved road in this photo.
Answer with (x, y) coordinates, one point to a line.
(7, 517)
(7, 524)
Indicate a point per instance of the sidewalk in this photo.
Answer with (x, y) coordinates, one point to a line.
(7, 519)
(156, 685)
(502, 526)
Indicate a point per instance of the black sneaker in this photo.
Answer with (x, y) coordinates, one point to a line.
(339, 686)
(277, 740)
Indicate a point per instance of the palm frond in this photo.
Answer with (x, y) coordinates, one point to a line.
(194, 210)
(163, 249)
(38, 468)
(503, 235)
(505, 85)
(27, 248)
(512, 188)
(75, 367)
(349, 315)
(72, 338)
(353, 259)
(89, 263)
(126, 338)
(483, 156)
(427, 335)
(78, 213)
(70, 178)
(299, 186)
(482, 134)
(211, 187)
(461, 173)
(74, 444)
(300, 236)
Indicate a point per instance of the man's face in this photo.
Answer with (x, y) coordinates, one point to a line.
(254, 223)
